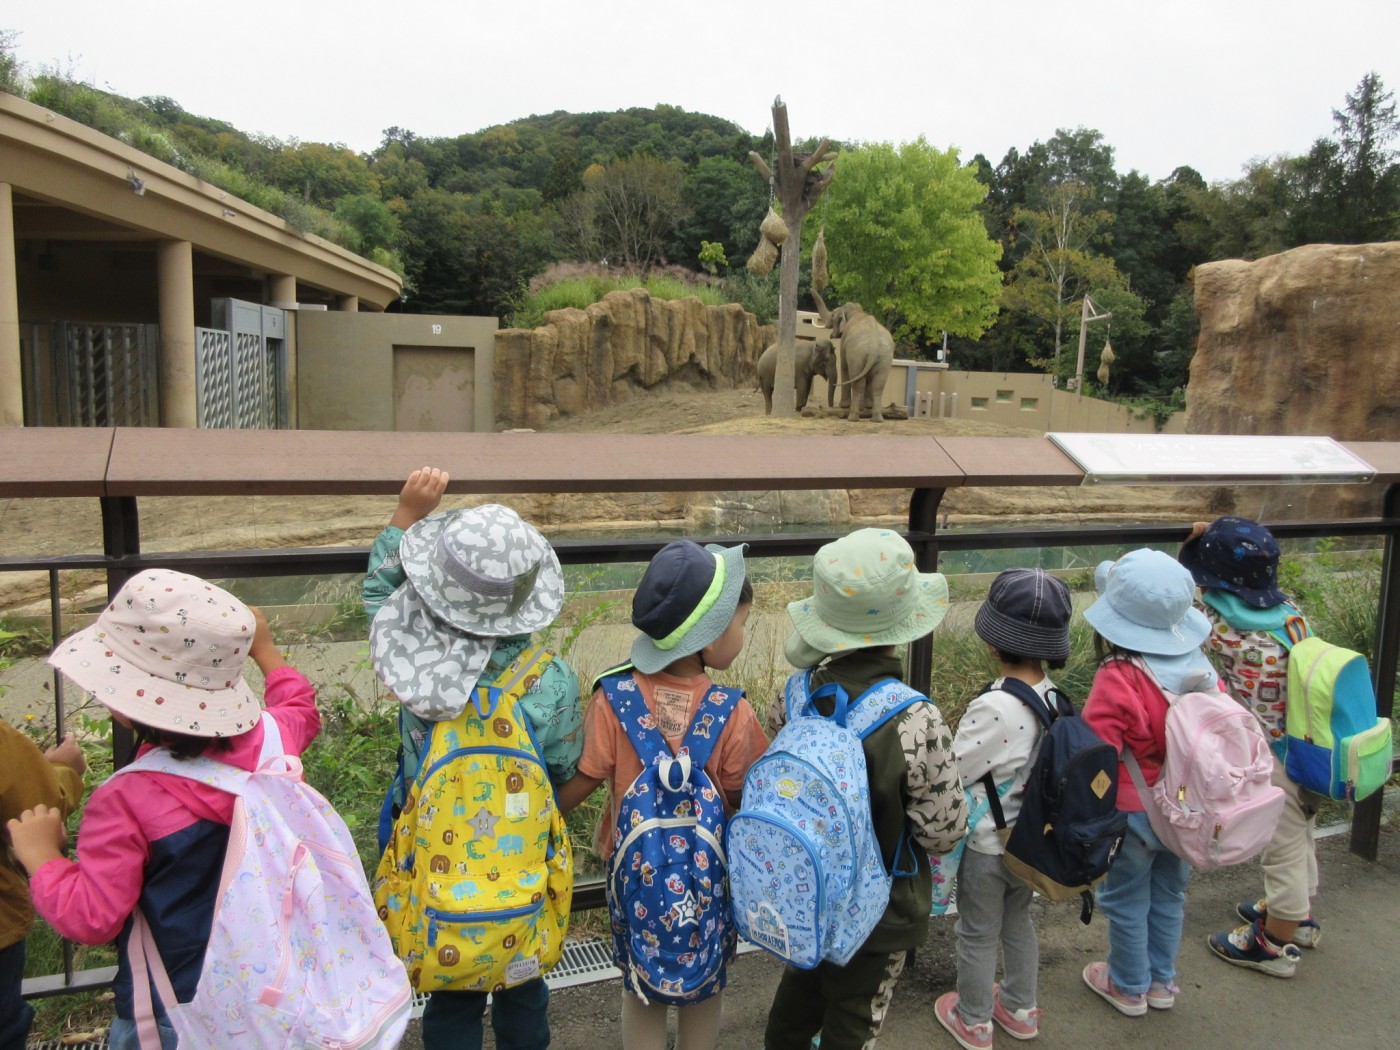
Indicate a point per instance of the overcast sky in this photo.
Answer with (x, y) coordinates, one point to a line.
(1208, 83)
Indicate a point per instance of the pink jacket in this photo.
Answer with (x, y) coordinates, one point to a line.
(89, 900)
(1127, 709)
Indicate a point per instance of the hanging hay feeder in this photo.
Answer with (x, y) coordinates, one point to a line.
(773, 228)
(764, 256)
(820, 277)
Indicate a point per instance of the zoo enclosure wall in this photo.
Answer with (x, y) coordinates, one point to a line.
(118, 466)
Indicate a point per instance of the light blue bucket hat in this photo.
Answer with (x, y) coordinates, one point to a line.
(1145, 605)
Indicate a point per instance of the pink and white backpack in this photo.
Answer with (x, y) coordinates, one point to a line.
(297, 956)
(1214, 803)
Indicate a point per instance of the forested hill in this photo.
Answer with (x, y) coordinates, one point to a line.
(998, 254)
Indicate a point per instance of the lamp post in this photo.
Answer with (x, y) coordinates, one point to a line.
(1088, 313)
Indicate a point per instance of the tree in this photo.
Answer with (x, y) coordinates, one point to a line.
(906, 240)
(1370, 182)
(371, 220)
(1061, 265)
(633, 205)
(724, 205)
(9, 64)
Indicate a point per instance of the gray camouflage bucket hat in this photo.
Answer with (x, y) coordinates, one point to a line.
(474, 576)
(484, 570)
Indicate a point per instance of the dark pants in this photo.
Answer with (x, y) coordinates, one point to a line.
(845, 1004)
(15, 1013)
(519, 1017)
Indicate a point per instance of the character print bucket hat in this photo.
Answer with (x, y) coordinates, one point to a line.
(685, 600)
(168, 652)
(1144, 605)
(1027, 612)
(473, 576)
(866, 590)
(1239, 556)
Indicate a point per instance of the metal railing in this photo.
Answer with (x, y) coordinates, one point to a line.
(122, 556)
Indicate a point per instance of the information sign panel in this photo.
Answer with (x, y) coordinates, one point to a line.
(1211, 459)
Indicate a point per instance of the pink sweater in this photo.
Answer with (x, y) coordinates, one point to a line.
(88, 900)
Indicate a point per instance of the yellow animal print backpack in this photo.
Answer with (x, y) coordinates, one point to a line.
(476, 881)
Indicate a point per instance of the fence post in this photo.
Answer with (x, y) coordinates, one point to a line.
(1366, 814)
(121, 538)
(923, 524)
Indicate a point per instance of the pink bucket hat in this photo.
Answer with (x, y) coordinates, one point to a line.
(168, 652)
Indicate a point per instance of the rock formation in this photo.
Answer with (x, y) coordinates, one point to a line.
(580, 360)
(1304, 342)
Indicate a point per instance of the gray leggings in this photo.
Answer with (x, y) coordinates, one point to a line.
(993, 910)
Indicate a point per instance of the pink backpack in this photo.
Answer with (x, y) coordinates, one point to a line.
(297, 956)
(1214, 802)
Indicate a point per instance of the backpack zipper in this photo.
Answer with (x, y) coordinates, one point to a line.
(434, 914)
(386, 1017)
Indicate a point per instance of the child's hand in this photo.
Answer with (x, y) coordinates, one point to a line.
(38, 836)
(1198, 529)
(264, 650)
(67, 753)
(420, 496)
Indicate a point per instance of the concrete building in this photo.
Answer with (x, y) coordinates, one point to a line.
(117, 247)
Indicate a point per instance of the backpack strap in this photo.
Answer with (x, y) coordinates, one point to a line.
(1030, 696)
(625, 697)
(1295, 629)
(867, 712)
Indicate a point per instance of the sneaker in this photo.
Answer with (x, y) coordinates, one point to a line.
(970, 1036)
(1019, 1024)
(1309, 933)
(1162, 995)
(1096, 977)
(1248, 946)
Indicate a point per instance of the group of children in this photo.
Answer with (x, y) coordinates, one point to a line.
(455, 597)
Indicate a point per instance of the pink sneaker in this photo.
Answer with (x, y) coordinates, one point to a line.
(969, 1036)
(1162, 995)
(1096, 977)
(1019, 1024)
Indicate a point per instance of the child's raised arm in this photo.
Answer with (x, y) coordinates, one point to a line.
(575, 790)
(264, 650)
(420, 496)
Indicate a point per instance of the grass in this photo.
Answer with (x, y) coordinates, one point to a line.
(580, 291)
(352, 760)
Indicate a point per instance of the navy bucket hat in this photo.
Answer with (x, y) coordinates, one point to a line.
(686, 599)
(1239, 556)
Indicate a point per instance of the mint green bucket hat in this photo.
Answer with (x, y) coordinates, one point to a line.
(866, 591)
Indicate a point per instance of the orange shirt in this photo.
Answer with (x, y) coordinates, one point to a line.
(608, 754)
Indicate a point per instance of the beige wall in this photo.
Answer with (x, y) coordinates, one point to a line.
(363, 371)
(1016, 399)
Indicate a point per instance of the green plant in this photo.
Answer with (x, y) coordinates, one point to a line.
(712, 256)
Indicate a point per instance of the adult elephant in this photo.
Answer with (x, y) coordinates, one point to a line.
(867, 348)
(808, 360)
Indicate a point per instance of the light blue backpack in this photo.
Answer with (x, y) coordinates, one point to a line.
(806, 877)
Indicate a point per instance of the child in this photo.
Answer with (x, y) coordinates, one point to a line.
(690, 607)
(166, 657)
(869, 597)
(454, 598)
(1025, 623)
(1235, 561)
(28, 778)
(1147, 633)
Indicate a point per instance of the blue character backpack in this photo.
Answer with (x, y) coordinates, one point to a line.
(668, 896)
(806, 873)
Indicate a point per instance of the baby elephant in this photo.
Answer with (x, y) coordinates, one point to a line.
(809, 359)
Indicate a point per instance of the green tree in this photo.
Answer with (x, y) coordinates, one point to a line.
(1060, 265)
(9, 64)
(1370, 177)
(724, 204)
(906, 241)
(371, 219)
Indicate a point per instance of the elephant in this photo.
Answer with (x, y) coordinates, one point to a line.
(868, 351)
(808, 360)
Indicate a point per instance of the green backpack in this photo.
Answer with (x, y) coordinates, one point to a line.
(1336, 744)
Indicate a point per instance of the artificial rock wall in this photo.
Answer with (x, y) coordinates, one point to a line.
(1303, 342)
(580, 360)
